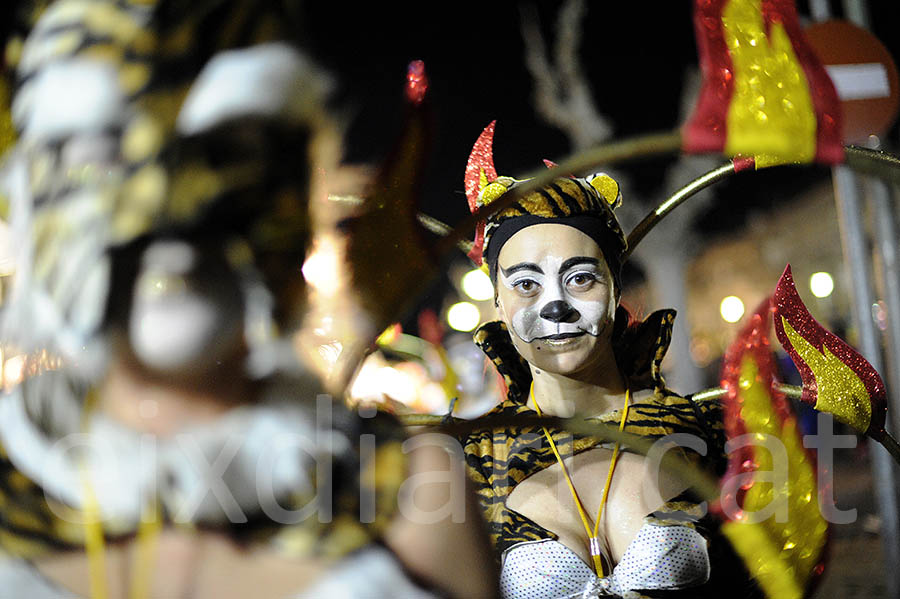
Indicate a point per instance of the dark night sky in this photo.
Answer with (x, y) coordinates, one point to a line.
(474, 57)
(635, 55)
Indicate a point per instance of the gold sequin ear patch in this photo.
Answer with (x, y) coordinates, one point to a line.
(491, 192)
(608, 188)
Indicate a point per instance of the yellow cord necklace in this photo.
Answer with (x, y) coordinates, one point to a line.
(94, 537)
(592, 533)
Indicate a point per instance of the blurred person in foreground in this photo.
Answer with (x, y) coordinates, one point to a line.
(159, 192)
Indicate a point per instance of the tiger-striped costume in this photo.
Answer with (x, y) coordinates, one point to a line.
(500, 458)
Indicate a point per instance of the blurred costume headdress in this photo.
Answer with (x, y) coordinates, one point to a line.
(586, 204)
(197, 121)
(144, 119)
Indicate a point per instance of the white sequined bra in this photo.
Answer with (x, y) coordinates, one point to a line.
(661, 557)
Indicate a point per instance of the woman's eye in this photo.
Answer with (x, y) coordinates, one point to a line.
(582, 280)
(527, 287)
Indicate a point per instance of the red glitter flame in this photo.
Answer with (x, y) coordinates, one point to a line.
(789, 306)
(416, 82)
(752, 339)
(706, 130)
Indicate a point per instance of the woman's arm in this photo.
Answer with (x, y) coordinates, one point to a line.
(440, 535)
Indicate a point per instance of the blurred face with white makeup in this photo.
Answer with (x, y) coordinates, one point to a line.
(186, 311)
(555, 293)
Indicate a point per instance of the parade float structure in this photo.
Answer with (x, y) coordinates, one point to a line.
(766, 101)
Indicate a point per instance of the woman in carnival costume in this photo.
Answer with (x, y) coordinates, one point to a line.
(572, 516)
(159, 191)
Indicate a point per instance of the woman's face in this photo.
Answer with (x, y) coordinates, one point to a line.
(187, 311)
(555, 294)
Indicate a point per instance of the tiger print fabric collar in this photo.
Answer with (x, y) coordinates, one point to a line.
(639, 351)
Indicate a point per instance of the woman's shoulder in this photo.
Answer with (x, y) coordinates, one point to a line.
(364, 452)
(690, 423)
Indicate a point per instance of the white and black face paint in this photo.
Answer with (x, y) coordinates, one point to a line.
(184, 317)
(560, 304)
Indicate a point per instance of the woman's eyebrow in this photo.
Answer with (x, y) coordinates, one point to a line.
(577, 260)
(521, 266)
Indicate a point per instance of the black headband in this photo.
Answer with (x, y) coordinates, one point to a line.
(594, 227)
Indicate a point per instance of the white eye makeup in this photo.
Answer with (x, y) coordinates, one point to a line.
(527, 284)
(581, 280)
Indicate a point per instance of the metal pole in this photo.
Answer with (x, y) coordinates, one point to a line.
(857, 12)
(855, 259)
(856, 262)
(883, 467)
(888, 278)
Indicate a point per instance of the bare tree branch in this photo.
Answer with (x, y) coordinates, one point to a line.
(563, 99)
(562, 95)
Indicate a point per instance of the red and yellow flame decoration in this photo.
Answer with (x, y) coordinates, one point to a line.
(764, 92)
(836, 378)
(785, 557)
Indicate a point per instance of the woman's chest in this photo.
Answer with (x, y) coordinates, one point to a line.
(184, 565)
(546, 497)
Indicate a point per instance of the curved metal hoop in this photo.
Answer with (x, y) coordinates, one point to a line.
(870, 162)
(676, 199)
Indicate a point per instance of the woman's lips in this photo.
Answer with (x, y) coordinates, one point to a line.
(561, 339)
(561, 336)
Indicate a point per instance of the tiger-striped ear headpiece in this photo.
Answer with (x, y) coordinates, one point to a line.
(566, 200)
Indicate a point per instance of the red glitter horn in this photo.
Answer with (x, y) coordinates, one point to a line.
(551, 164)
(479, 172)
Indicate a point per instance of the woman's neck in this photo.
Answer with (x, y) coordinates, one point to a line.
(600, 391)
(148, 404)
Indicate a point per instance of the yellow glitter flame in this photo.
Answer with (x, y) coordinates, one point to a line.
(771, 114)
(780, 555)
(840, 391)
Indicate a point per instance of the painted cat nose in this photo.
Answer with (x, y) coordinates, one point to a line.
(559, 311)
